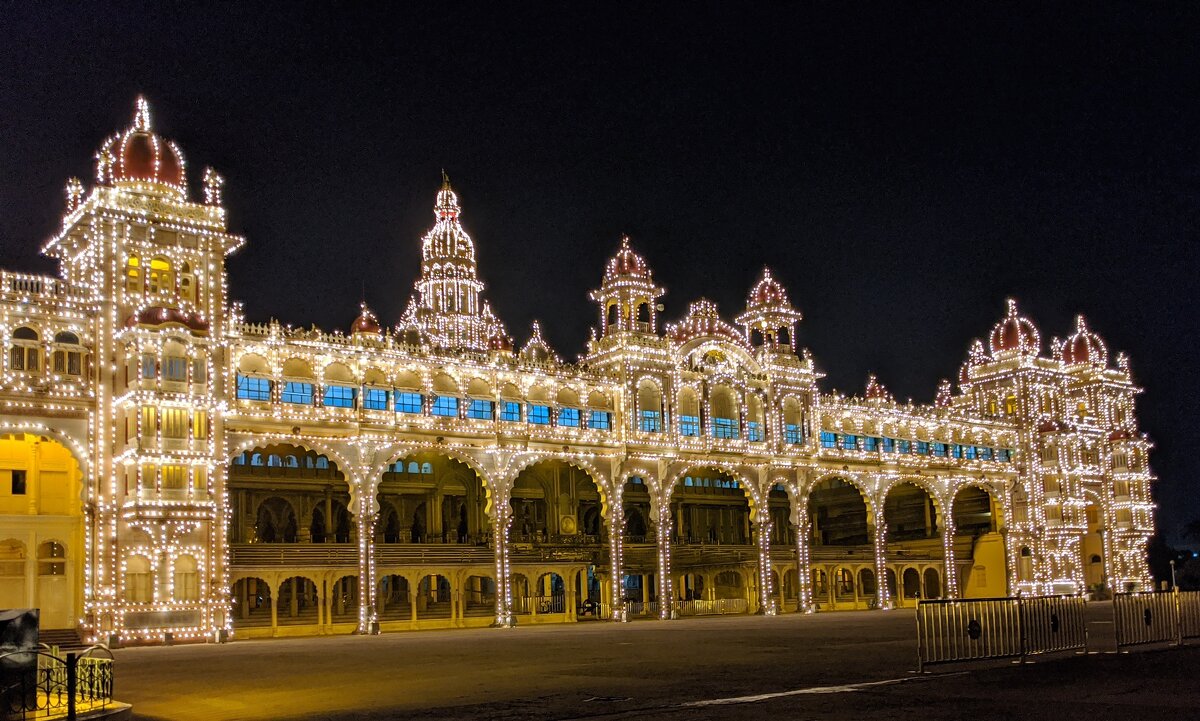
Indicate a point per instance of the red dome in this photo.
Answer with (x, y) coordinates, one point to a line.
(1084, 346)
(500, 342)
(627, 262)
(366, 322)
(767, 293)
(139, 155)
(156, 316)
(1015, 333)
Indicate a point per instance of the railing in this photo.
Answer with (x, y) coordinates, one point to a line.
(1166, 617)
(951, 631)
(717, 607)
(39, 684)
(539, 604)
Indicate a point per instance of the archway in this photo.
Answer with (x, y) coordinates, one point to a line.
(284, 493)
(344, 600)
(910, 515)
(299, 602)
(432, 498)
(434, 598)
(553, 501)
(978, 547)
(479, 596)
(251, 603)
(549, 594)
(1095, 571)
(394, 598)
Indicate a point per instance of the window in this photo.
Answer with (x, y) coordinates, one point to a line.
(340, 396)
(985, 454)
(828, 440)
(159, 279)
(174, 422)
(25, 352)
(511, 411)
(175, 368)
(689, 425)
(600, 420)
(969, 451)
(725, 428)
(322, 462)
(889, 445)
(651, 422)
(253, 389)
(870, 443)
(375, 399)
(200, 425)
(174, 477)
(445, 406)
(68, 360)
(754, 431)
(1003, 455)
(568, 417)
(480, 409)
(297, 392)
(539, 414)
(199, 371)
(849, 442)
(792, 435)
(922, 448)
(149, 366)
(186, 586)
(408, 402)
(939, 449)
(18, 483)
(956, 450)
(905, 447)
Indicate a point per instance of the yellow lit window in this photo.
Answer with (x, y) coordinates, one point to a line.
(200, 425)
(174, 477)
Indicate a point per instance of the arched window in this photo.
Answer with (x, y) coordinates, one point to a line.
(25, 352)
(138, 588)
(754, 418)
(159, 279)
(187, 283)
(793, 427)
(426, 469)
(414, 467)
(322, 462)
(52, 559)
(133, 275)
(643, 313)
(726, 420)
(650, 418)
(688, 413)
(1010, 405)
(614, 311)
(187, 586)
(256, 459)
(290, 462)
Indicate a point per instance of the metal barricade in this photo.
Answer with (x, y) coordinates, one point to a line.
(1141, 618)
(950, 631)
(1189, 614)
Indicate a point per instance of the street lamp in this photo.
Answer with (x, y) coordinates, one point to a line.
(1173, 587)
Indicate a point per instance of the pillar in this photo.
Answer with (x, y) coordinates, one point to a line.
(412, 604)
(662, 536)
(879, 540)
(950, 566)
(804, 558)
(762, 539)
(500, 526)
(275, 610)
(330, 524)
(364, 526)
(616, 560)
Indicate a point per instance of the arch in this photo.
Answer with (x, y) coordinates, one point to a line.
(911, 583)
(444, 384)
(409, 381)
(138, 579)
(975, 510)
(433, 496)
(479, 596)
(599, 401)
(344, 599)
(337, 372)
(394, 597)
(298, 368)
(712, 504)
(649, 406)
(275, 521)
(479, 388)
(550, 497)
(299, 601)
(133, 275)
(186, 578)
(932, 583)
(840, 512)
(252, 600)
(567, 398)
(910, 512)
(253, 363)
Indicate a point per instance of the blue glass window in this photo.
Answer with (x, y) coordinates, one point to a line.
(849, 442)
(870, 443)
(689, 425)
(956, 450)
(791, 434)
(253, 389)
(445, 406)
(828, 440)
(322, 462)
(754, 431)
(408, 402)
(725, 428)
(568, 417)
(511, 411)
(651, 422)
(426, 469)
(687, 481)
(480, 409)
(600, 420)
(1003, 455)
(297, 392)
(905, 446)
(175, 368)
(149, 366)
(340, 396)
(922, 448)
(274, 461)
(985, 454)
(970, 452)
(375, 399)
(256, 459)
(939, 449)
(240, 459)
(539, 414)
(413, 467)
(889, 445)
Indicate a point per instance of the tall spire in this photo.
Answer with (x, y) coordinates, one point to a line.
(141, 116)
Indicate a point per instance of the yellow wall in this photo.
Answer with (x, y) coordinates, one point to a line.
(987, 577)
(52, 477)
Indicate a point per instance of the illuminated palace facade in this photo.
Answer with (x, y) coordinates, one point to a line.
(171, 468)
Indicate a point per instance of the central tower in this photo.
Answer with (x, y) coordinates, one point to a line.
(446, 306)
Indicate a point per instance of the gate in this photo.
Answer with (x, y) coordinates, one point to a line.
(952, 630)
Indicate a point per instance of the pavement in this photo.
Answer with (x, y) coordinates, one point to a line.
(829, 665)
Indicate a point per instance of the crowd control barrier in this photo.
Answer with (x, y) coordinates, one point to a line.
(1164, 617)
(951, 631)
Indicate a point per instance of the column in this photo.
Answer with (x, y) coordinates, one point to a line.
(616, 560)
(804, 558)
(950, 570)
(762, 539)
(275, 609)
(330, 522)
(364, 525)
(570, 596)
(412, 603)
(662, 534)
(500, 526)
(879, 539)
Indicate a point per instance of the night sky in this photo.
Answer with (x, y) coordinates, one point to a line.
(901, 170)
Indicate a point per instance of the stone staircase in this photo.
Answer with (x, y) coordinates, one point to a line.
(65, 639)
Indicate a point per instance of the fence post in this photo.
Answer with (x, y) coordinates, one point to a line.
(1021, 625)
(1178, 616)
(71, 682)
(920, 640)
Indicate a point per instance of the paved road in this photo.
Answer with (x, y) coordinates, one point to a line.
(639, 670)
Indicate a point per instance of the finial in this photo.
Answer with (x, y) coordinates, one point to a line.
(624, 241)
(74, 194)
(141, 118)
(1012, 306)
(1080, 323)
(213, 183)
(445, 180)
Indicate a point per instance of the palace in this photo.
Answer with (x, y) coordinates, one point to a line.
(170, 470)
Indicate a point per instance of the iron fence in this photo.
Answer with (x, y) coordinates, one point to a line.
(1149, 617)
(950, 630)
(1189, 614)
(39, 684)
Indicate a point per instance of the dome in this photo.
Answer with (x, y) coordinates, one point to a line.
(500, 342)
(366, 322)
(140, 156)
(1015, 333)
(157, 316)
(975, 356)
(1084, 346)
(767, 294)
(627, 262)
(703, 321)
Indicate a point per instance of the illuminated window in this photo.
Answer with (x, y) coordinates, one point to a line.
(870, 443)
(297, 392)
(651, 422)
(568, 417)
(175, 369)
(408, 402)
(149, 366)
(969, 452)
(539, 414)
(137, 580)
(905, 446)
(174, 422)
(600, 420)
(174, 477)
(828, 439)
(185, 581)
(939, 449)
(956, 450)
(922, 448)
(754, 431)
(340, 396)
(253, 389)
(69, 359)
(445, 406)
(322, 462)
(375, 399)
(480, 409)
(689, 425)
(1003, 455)
(849, 442)
(133, 275)
(725, 428)
(792, 435)
(25, 352)
(985, 454)
(159, 278)
(511, 412)
(199, 371)
(200, 425)
(889, 445)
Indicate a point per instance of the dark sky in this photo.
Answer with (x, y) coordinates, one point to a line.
(902, 170)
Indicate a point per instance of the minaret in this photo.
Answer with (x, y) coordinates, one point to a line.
(628, 297)
(448, 308)
(770, 320)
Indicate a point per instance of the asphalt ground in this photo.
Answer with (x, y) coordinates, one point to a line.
(830, 665)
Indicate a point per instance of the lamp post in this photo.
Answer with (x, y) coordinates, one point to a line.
(1173, 586)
